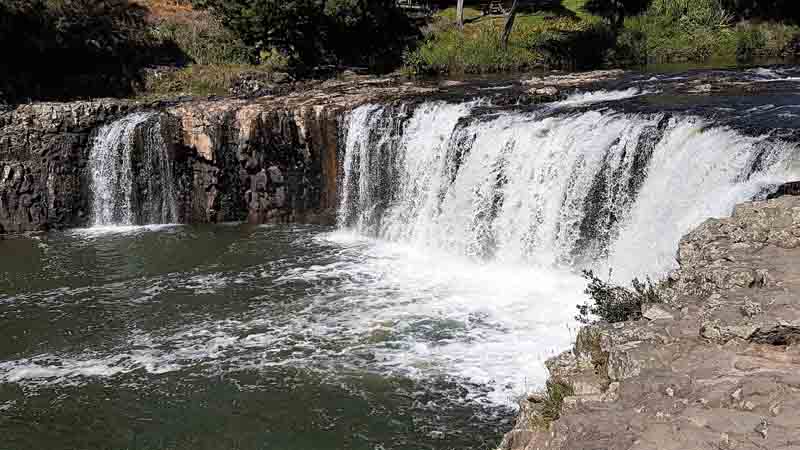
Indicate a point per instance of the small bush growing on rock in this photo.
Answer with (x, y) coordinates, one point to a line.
(556, 393)
(551, 403)
(613, 303)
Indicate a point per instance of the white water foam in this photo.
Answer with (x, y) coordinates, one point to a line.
(103, 230)
(593, 189)
(485, 211)
(765, 75)
(697, 172)
(377, 306)
(429, 313)
(588, 98)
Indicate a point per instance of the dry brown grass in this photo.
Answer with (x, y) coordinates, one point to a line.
(171, 10)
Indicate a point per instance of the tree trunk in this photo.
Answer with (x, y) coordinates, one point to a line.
(460, 13)
(509, 25)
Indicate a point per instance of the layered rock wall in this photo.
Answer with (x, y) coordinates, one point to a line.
(43, 157)
(265, 160)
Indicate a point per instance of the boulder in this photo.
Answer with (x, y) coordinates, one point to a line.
(655, 311)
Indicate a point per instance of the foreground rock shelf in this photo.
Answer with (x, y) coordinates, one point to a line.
(718, 368)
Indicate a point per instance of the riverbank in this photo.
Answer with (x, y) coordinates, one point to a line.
(398, 258)
(716, 367)
(568, 35)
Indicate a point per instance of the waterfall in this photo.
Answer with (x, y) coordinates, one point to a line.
(131, 173)
(584, 189)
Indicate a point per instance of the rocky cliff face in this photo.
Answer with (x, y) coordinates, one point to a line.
(270, 159)
(43, 153)
(717, 367)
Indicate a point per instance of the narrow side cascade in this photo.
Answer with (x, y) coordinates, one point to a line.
(132, 179)
(585, 189)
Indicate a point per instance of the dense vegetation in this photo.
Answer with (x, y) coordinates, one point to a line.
(87, 48)
(593, 33)
(90, 48)
(309, 33)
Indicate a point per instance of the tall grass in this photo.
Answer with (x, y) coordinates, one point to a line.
(204, 40)
(698, 30)
(477, 49)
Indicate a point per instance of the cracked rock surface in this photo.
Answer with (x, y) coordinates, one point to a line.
(717, 367)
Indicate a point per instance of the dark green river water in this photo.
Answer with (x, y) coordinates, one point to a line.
(238, 337)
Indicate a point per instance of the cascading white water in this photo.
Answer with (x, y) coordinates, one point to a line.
(596, 189)
(125, 193)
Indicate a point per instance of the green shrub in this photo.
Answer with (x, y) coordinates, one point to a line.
(560, 42)
(612, 303)
(574, 44)
(630, 49)
(685, 30)
(72, 49)
(553, 401)
(273, 60)
(751, 41)
(692, 14)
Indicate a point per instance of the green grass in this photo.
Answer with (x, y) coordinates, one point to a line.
(700, 30)
(569, 37)
(535, 41)
(197, 80)
(550, 410)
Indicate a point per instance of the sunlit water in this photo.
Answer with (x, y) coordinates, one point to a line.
(414, 324)
(265, 337)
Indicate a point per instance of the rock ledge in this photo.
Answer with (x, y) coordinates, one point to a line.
(723, 372)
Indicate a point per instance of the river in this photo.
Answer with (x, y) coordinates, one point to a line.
(418, 320)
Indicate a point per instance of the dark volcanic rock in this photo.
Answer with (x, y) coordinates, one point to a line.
(266, 159)
(792, 188)
(43, 155)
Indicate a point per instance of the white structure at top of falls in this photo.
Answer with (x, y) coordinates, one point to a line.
(125, 193)
(588, 189)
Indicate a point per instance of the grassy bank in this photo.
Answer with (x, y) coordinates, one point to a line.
(567, 36)
(540, 38)
(214, 57)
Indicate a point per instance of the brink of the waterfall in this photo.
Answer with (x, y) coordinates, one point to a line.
(597, 189)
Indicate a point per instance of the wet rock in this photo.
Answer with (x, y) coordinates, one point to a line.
(547, 91)
(792, 188)
(436, 434)
(575, 79)
(257, 84)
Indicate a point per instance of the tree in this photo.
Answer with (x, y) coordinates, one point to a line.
(98, 46)
(764, 9)
(315, 32)
(615, 11)
(460, 13)
(509, 25)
